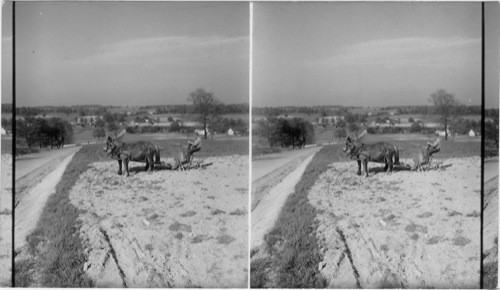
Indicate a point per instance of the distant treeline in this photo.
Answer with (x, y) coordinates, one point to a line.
(84, 110)
(491, 113)
(187, 109)
(342, 111)
(276, 111)
(430, 110)
(89, 110)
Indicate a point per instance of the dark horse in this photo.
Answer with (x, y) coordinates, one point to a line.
(138, 152)
(380, 152)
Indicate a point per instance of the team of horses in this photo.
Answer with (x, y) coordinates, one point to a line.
(381, 152)
(144, 152)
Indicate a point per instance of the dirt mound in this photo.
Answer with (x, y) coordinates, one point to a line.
(403, 230)
(6, 222)
(167, 228)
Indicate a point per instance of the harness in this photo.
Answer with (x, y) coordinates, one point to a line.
(355, 151)
(116, 150)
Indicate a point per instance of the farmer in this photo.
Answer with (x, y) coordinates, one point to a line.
(433, 147)
(194, 146)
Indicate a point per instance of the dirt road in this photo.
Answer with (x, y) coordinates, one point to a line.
(167, 228)
(403, 230)
(265, 165)
(6, 222)
(29, 163)
(270, 170)
(30, 206)
(274, 178)
(32, 169)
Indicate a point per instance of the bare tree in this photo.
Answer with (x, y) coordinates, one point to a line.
(204, 104)
(446, 106)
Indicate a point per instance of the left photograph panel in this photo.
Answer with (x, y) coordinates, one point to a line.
(131, 144)
(6, 150)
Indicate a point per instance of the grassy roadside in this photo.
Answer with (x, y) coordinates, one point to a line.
(291, 259)
(55, 255)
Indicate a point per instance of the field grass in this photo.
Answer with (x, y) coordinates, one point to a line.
(57, 253)
(210, 147)
(292, 256)
(409, 144)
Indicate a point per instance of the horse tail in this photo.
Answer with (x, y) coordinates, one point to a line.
(157, 155)
(396, 155)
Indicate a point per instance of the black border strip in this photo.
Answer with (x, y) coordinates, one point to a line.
(13, 138)
(481, 270)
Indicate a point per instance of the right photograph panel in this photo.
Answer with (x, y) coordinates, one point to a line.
(366, 169)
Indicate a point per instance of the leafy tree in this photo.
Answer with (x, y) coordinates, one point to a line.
(175, 126)
(415, 127)
(340, 133)
(170, 119)
(99, 132)
(411, 120)
(112, 128)
(341, 123)
(445, 105)
(350, 118)
(491, 132)
(100, 123)
(354, 129)
(204, 104)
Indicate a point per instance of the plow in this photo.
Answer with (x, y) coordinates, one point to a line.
(186, 165)
(426, 165)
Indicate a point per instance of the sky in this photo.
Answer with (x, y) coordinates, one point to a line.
(492, 54)
(128, 53)
(365, 54)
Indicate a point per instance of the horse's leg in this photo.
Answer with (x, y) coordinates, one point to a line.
(365, 163)
(359, 167)
(388, 164)
(119, 167)
(126, 166)
(149, 161)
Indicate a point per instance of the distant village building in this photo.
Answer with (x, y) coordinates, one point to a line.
(441, 133)
(472, 133)
(230, 132)
(201, 132)
(87, 119)
(4, 132)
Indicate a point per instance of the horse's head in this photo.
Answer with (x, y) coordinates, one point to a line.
(110, 145)
(349, 145)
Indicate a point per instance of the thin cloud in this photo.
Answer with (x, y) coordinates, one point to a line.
(177, 50)
(407, 51)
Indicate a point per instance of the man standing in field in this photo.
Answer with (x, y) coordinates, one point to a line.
(434, 146)
(194, 146)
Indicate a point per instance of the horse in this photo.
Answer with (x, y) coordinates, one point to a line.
(138, 152)
(380, 152)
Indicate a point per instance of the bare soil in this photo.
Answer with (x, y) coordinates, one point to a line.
(166, 228)
(400, 230)
(6, 222)
(490, 224)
